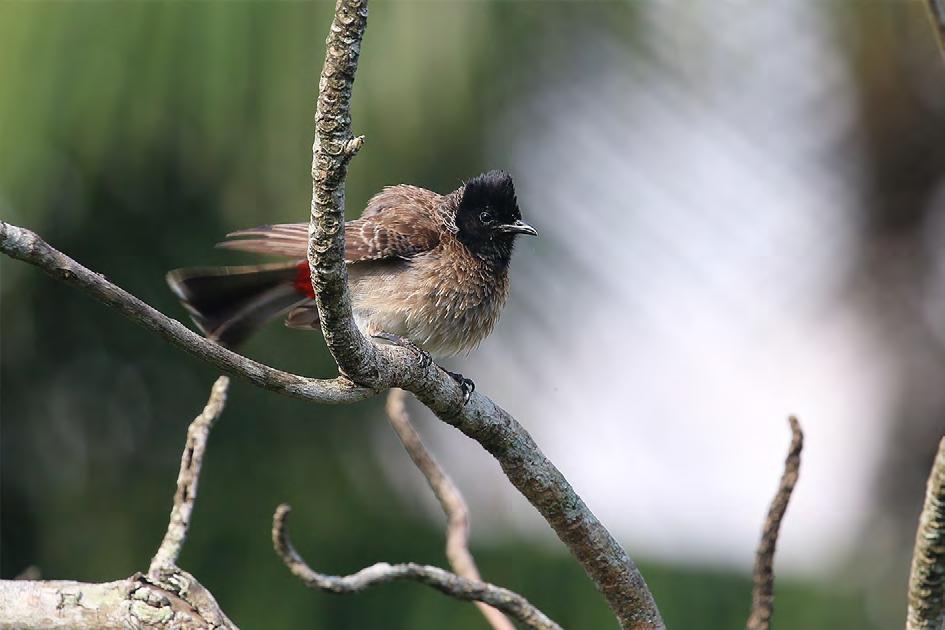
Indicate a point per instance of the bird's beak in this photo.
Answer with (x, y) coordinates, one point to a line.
(519, 227)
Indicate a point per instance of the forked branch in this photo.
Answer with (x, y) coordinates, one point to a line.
(450, 498)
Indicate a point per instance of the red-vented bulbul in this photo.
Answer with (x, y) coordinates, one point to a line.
(426, 271)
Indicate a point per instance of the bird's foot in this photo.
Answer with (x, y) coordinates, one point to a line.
(466, 384)
(423, 357)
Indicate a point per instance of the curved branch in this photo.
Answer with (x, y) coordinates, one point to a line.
(25, 245)
(191, 462)
(450, 498)
(333, 148)
(927, 579)
(451, 584)
(762, 604)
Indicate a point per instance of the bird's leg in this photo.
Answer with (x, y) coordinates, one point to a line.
(423, 357)
(468, 386)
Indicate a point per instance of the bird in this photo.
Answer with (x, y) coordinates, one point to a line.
(426, 271)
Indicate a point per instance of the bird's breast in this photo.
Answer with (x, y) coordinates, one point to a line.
(443, 301)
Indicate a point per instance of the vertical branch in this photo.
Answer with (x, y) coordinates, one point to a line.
(450, 498)
(191, 462)
(334, 147)
(927, 580)
(762, 604)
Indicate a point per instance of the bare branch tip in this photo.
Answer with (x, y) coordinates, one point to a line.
(763, 575)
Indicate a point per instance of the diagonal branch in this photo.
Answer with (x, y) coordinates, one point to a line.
(604, 560)
(451, 584)
(25, 245)
(450, 498)
(927, 580)
(191, 462)
(762, 604)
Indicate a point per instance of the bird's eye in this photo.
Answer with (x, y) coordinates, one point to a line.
(485, 217)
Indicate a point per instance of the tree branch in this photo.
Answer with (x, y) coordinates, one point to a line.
(450, 498)
(602, 558)
(25, 245)
(927, 579)
(333, 148)
(762, 605)
(191, 462)
(168, 597)
(451, 584)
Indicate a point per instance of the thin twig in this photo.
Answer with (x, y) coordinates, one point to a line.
(450, 498)
(451, 584)
(762, 604)
(927, 580)
(191, 462)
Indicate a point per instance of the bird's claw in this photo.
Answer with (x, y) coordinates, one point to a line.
(467, 385)
(424, 360)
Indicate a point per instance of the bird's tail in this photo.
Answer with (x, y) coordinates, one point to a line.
(228, 304)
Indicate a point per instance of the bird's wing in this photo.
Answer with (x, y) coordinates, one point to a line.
(396, 233)
(400, 196)
(387, 230)
(286, 239)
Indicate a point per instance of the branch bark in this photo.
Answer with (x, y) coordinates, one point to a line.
(450, 498)
(927, 579)
(191, 462)
(762, 605)
(451, 584)
(167, 598)
(27, 246)
(135, 602)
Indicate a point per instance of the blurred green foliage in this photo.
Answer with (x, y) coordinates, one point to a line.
(134, 135)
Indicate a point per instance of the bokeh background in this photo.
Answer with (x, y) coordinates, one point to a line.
(742, 210)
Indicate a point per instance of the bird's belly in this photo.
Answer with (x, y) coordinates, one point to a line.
(397, 299)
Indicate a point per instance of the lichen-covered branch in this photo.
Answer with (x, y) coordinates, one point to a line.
(450, 498)
(135, 602)
(25, 245)
(762, 604)
(451, 584)
(333, 148)
(167, 598)
(927, 579)
(191, 462)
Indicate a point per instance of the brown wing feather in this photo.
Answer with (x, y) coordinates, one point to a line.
(399, 222)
